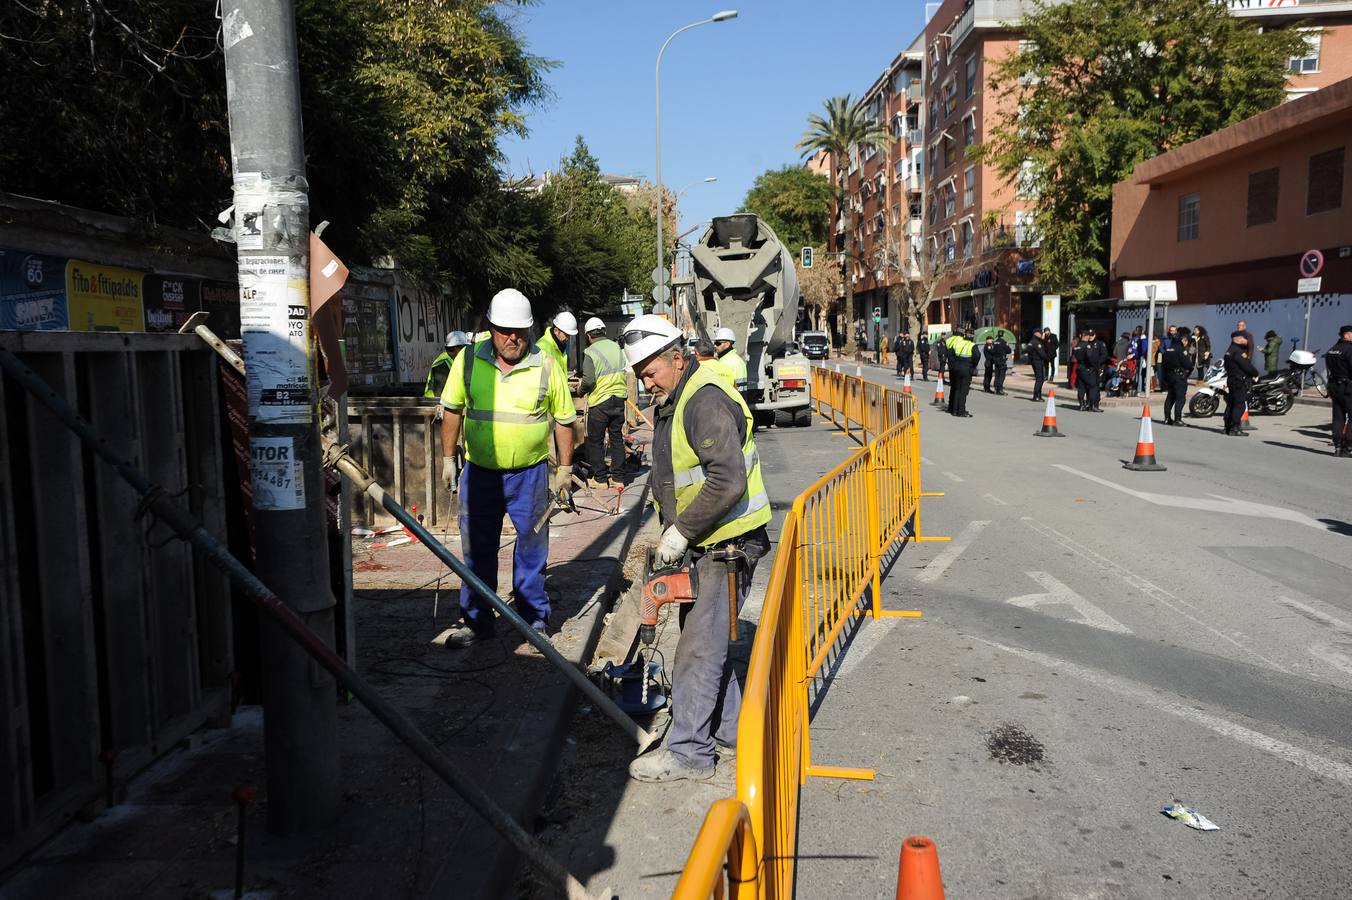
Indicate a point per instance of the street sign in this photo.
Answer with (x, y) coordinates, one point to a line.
(660, 276)
(659, 294)
(1311, 264)
(1309, 285)
(1165, 291)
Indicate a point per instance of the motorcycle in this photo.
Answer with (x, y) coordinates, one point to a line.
(1273, 394)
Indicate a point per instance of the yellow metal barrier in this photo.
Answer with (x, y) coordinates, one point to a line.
(831, 550)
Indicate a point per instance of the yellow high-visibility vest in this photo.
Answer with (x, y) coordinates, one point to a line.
(608, 359)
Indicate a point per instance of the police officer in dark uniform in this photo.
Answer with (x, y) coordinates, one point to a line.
(1090, 355)
(905, 350)
(1338, 367)
(1239, 374)
(961, 354)
(988, 353)
(1178, 362)
(998, 355)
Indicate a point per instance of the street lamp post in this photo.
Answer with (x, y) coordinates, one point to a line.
(723, 16)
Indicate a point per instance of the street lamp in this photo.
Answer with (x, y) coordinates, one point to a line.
(723, 16)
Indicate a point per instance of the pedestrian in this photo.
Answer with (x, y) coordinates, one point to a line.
(1179, 361)
(1090, 356)
(999, 355)
(922, 349)
(1272, 352)
(1201, 342)
(1122, 347)
(712, 505)
(1037, 358)
(1239, 373)
(555, 339)
(605, 385)
(961, 353)
(1338, 367)
(441, 366)
(1052, 345)
(905, 354)
(725, 345)
(1251, 348)
(1139, 352)
(505, 394)
(882, 347)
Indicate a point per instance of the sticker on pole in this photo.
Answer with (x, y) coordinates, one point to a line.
(277, 477)
(274, 321)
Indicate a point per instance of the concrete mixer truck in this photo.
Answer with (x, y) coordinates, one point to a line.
(744, 280)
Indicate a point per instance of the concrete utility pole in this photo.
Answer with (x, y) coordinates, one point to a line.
(272, 228)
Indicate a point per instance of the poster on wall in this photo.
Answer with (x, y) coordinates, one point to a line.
(104, 298)
(32, 292)
(423, 319)
(220, 299)
(366, 332)
(169, 301)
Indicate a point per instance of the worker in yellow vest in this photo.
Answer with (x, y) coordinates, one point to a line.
(555, 339)
(441, 366)
(606, 385)
(507, 395)
(725, 345)
(711, 500)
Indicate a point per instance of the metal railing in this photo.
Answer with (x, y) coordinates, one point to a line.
(829, 562)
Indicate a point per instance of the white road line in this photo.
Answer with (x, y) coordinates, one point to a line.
(1149, 588)
(996, 500)
(1332, 656)
(864, 644)
(927, 461)
(1146, 696)
(1059, 593)
(1322, 618)
(940, 563)
(955, 476)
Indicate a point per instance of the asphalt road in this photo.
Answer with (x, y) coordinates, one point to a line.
(1096, 644)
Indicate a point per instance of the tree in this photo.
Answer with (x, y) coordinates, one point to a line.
(796, 203)
(845, 129)
(1101, 85)
(819, 287)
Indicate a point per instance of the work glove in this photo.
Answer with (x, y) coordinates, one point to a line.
(448, 472)
(561, 481)
(671, 549)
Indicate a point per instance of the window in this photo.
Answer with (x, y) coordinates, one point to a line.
(969, 131)
(934, 157)
(966, 240)
(917, 162)
(854, 158)
(1189, 217)
(971, 76)
(934, 61)
(950, 246)
(1324, 187)
(969, 188)
(869, 151)
(950, 152)
(901, 168)
(1262, 197)
(950, 94)
(1310, 61)
(1025, 185)
(933, 117)
(934, 209)
(896, 213)
(950, 200)
(1025, 233)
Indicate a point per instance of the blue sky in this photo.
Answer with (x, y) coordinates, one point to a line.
(775, 63)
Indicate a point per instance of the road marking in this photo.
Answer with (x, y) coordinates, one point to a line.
(927, 461)
(996, 500)
(864, 644)
(1149, 588)
(1059, 593)
(1217, 503)
(1333, 657)
(1146, 696)
(955, 476)
(940, 563)
(1322, 618)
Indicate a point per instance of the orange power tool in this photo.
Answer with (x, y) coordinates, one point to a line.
(669, 584)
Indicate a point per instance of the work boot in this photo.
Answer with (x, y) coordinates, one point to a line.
(464, 635)
(663, 766)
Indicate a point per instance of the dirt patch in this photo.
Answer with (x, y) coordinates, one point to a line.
(1011, 744)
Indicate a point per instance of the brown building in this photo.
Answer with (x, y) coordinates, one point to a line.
(1229, 216)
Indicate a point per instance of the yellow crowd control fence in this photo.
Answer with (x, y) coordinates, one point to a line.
(831, 554)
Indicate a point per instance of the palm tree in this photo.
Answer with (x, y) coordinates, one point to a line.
(844, 126)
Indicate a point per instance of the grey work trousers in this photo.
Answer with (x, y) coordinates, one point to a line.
(706, 696)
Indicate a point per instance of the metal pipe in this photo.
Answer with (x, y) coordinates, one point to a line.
(156, 501)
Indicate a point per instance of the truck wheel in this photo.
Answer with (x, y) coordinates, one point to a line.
(803, 417)
(763, 418)
(783, 418)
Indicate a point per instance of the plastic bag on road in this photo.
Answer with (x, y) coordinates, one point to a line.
(1189, 817)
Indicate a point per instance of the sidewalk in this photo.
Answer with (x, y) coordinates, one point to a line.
(499, 710)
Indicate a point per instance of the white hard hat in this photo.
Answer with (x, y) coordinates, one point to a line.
(566, 322)
(594, 324)
(647, 335)
(725, 334)
(509, 308)
(457, 339)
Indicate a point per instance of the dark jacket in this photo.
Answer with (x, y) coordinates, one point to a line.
(716, 429)
(1250, 349)
(906, 349)
(997, 354)
(1338, 361)
(923, 348)
(1178, 360)
(1037, 351)
(1238, 368)
(1090, 356)
(1203, 345)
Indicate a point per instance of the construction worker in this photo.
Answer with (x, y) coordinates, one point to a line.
(555, 339)
(725, 345)
(504, 392)
(712, 504)
(441, 366)
(707, 356)
(606, 387)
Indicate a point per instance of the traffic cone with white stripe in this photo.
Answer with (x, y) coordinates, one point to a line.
(858, 371)
(938, 391)
(1244, 423)
(1049, 416)
(1144, 461)
(906, 384)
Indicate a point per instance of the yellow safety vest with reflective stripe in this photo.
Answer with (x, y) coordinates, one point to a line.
(435, 384)
(719, 369)
(960, 347)
(737, 366)
(551, 346)
(753, 509)
(608, 359)
(507, 414)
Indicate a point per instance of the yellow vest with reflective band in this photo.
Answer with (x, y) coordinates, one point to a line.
(507, 420)
(551, 347)
(736, 365)
(753, 509)
(608, 359)
(719, 369)
(442, 361)
(960, 347)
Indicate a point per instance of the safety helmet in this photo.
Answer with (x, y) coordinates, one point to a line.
(594, 324)
(566, 322)
(647, 335)
(457, 339)
(509, 308)
(725, 334)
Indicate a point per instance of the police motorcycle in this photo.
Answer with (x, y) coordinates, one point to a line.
(1273, 394)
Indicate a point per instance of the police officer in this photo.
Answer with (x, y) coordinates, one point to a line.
(1239, 373)
(710, 497)
(725, 345)
(1037, 358)
(1090, 355)
(961, 353)
(997, 358)
(504, 393)
(1338, 367)
(606, 387)
(555, 339)
(1179, 360)
(922, 350)
(905, 348)
(441, 366)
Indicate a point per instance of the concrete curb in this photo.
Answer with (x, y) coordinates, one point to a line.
(529, 760)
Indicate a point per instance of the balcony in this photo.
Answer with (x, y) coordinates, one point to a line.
(987, 15)
(914, 94)
(915, 136)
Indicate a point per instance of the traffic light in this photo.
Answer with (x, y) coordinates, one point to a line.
(807, 257)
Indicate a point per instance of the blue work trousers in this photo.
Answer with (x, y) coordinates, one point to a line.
(485, 496)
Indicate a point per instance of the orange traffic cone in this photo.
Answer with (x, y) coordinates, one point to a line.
(1145, 447)
(939, 391)
(918, 876)
(906, 384)
(1244, 424)
(1049, 416)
